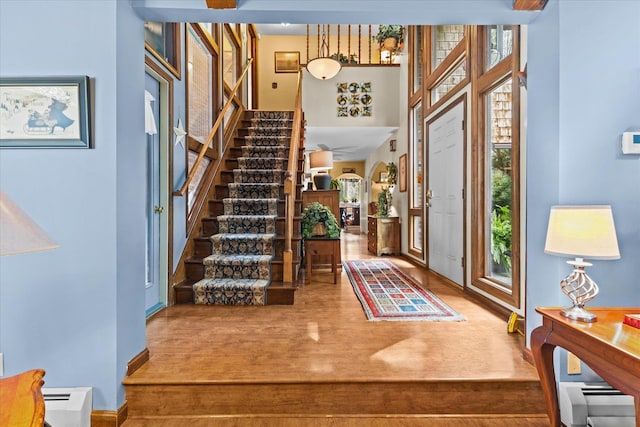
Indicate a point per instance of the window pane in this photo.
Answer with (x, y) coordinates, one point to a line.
(161, 37)
(417, 59)
(417, 155)
(416, 237)
(445, 38)
(499, 44)
(197, 178)
(207, 27)
(450, 81)
(229, 60)
(498, 188)
(200, 88)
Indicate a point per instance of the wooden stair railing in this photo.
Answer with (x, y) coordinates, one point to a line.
(214, 130)
(290, 187)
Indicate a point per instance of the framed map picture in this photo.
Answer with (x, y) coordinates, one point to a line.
(45, 112)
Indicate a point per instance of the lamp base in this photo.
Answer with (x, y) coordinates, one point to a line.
(322, 181)
(579, 313)
(581, 289)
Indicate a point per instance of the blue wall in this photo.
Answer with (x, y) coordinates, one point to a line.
(583, 92)
(78, 311)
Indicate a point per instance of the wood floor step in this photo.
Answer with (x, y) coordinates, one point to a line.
(211, 397)
(322, 420)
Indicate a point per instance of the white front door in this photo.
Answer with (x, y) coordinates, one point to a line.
(445, 199)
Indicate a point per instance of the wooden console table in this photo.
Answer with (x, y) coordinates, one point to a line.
(322, 246)
(609, 347)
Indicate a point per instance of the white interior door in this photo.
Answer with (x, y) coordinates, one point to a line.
(445, 204)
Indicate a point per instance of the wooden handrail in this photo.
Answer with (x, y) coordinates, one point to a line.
(290, 186)
(213, 132)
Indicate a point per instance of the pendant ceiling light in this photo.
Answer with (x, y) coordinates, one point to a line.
(323, 67)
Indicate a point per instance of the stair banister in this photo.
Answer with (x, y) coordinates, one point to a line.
(290, 186)
(214, 130)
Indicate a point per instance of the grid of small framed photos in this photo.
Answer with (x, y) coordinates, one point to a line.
(354, 99)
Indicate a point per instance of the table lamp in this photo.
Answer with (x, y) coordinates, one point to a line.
(18, 233)
(581, 232)
(321, 161)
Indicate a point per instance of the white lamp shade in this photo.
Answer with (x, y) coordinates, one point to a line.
(323, 68)
(18, 233)
(320, 160)
(582, 232)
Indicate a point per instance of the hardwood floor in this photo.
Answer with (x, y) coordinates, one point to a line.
(319, 362)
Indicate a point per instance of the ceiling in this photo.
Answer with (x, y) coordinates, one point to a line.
(348, 144)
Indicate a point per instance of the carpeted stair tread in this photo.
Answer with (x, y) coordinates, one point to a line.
(258, 175)
(231, 291)
(243, 244)
(266, 140)
(233, 206)
(264, 151)
(230, 259)
(269, 163)
(257, 190)
(238, 266)
(247, 223)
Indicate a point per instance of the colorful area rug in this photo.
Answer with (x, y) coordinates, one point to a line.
(387, 293)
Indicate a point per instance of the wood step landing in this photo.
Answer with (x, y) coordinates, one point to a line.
(208, 399)
(343, 421)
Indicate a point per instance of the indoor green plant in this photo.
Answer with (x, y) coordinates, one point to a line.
(385, 32)
(344, 59)
(384, 202)
(316, 213)
(335, 184)
(392, 174)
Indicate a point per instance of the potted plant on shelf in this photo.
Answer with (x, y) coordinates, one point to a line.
(319, 221)
(344, 59)
(384, 202)
(390, 37)
(392, 173)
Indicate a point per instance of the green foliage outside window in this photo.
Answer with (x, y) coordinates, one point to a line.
(501, 209)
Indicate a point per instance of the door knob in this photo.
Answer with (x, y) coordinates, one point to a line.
(158, 209)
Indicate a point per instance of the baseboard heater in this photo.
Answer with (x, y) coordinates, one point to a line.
(68, 407)
(594, 405)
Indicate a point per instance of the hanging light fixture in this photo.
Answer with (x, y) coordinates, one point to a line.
(323, 67)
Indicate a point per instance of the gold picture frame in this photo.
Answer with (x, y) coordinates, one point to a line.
(403, 173)
(286, 62)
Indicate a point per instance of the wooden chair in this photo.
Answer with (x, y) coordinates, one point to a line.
(21, 401)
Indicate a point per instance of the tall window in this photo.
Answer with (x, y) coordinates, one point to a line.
(416, 207)
(162, 39)
(496, 239)
(445, 39)
(499, 44)
(201, 101)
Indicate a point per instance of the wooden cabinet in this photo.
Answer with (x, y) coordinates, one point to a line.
(330, 198)
(383, 236)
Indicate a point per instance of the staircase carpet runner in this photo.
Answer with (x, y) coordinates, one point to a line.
(239, 270)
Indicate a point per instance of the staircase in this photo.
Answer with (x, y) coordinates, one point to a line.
(238, 257)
